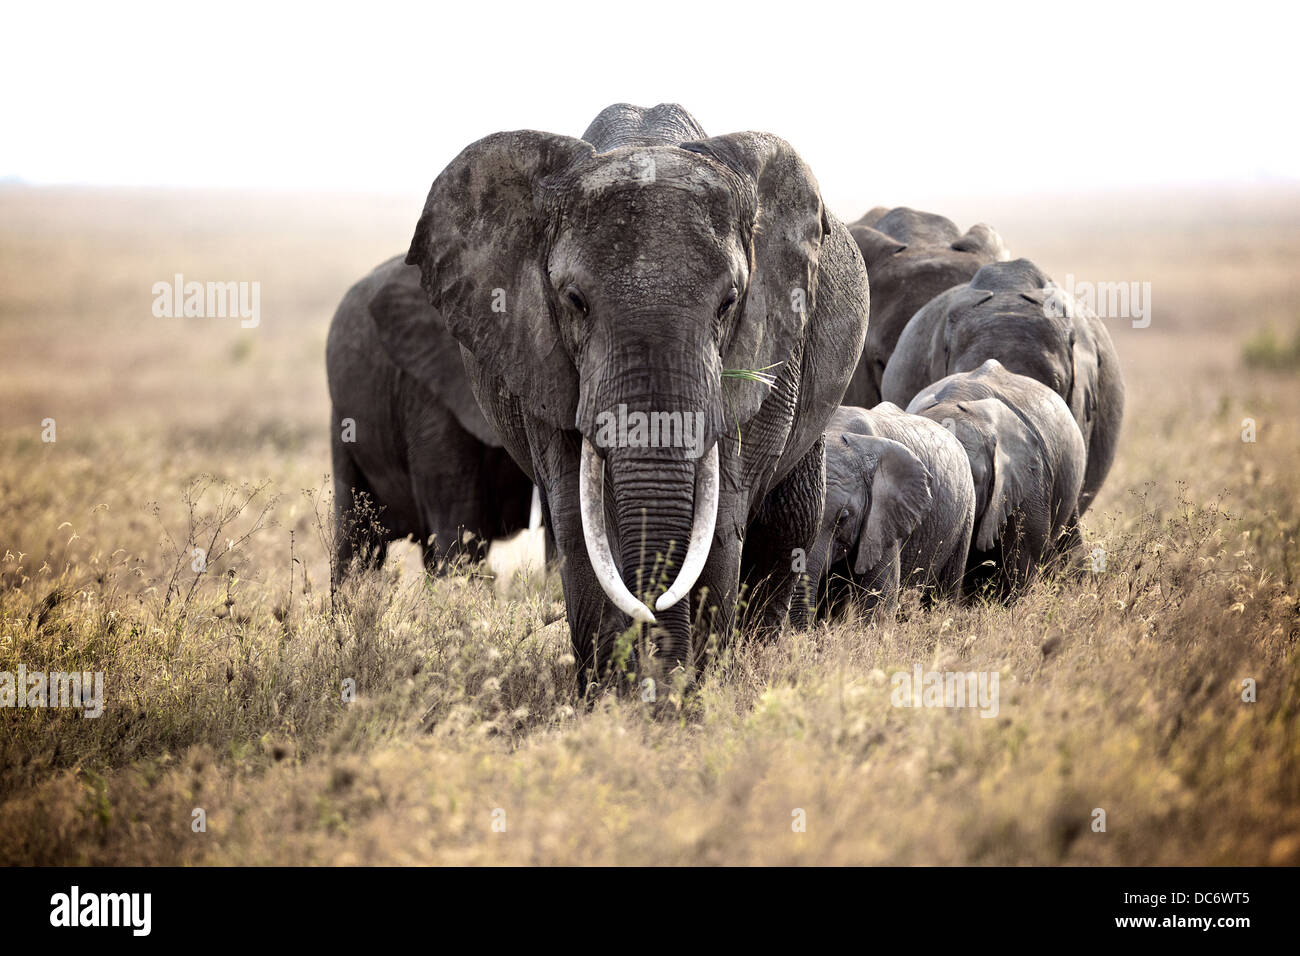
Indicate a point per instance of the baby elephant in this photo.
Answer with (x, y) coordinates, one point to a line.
(1027, 461)
(900, 505)
(419, 449)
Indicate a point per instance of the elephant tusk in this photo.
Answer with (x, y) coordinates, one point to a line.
(592, 502)
(535, 510)
(706, 518)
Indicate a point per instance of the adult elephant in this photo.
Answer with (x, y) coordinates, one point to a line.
(1012, 312)
(911, 257)
(412, 455)
(649, 269)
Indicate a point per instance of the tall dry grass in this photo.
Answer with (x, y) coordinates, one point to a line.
(1120, 690)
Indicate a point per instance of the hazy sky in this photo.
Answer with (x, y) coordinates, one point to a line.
(881, 99)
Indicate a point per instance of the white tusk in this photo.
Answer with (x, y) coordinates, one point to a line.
(706, 518)
(591, 485)
(535, 510)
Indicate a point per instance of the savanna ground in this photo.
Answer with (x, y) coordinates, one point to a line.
(1120, 689)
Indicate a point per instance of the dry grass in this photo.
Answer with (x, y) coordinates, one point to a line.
(1120, 690)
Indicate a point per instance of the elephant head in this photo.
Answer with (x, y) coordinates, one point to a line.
(910, 257)
(1003, 452)
(877, 493)
(1013, 312)
(1004, 314)
(596, 286)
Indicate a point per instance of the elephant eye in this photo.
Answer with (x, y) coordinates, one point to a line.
(727, 302)
(843, 515)
(576, 298)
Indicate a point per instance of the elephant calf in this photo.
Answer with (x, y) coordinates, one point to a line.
(1012, 312)
(900, 506)
(418, 448)
(1026, 459)
(910, 257)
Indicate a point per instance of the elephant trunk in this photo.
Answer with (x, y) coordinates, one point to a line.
(665, 508)
(651, 402)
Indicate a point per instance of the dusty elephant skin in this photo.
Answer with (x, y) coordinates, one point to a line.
(911, 257)
(631, 268)
(418, 448)
(1027, 462)
(900, 505)
(1014, 313)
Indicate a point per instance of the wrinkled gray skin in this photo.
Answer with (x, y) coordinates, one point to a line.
(633, 266)
(1027, 462)
(911, 257)
(422, 452)
(1014, 313)
(900, 505)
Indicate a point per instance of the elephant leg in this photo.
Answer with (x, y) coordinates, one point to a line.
(877, 590)
(948, 583)
(779, 541)
(997, 573)
(1068, 546)
(836, 591)
(1028, 545)
(985, 575)
(914, 571)
(809, 602)
(509, 494)
(594, 624)
(449, 542)
(469, 548)
(358, 533)
(1104, 439)
(716, 591)
(802, 600)
(346, 477)
(450, 488)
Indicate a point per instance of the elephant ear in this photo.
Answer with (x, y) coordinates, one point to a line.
(900, 496)
(481, 248)
(966, 299)
(1015, 457)
(786, 238)
(1054, 302)
(875, 246)
(1085, 370)
(983, 240)
(1081, 392)
(957, 303)
(416, 339)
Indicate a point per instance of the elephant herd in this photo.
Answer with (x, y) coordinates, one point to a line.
(950, 443)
